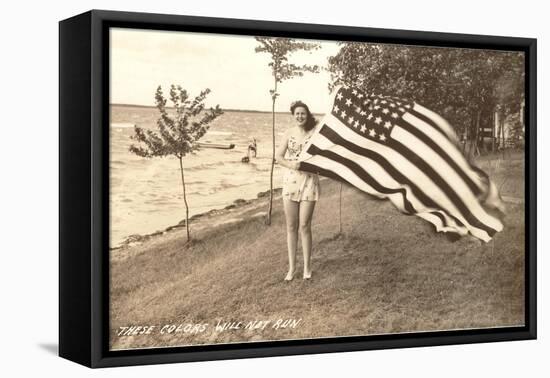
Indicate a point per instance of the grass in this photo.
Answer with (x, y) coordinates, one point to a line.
(387, 273)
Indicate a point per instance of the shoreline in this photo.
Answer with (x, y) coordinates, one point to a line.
(237, 212)
(196, 220)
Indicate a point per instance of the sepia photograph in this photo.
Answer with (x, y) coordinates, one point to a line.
(270, 188)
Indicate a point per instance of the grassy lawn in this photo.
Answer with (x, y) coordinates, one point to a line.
(387, 273)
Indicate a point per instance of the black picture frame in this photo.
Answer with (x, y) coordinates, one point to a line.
(84, 193)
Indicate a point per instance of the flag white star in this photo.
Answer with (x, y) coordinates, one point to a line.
(350, 119)
(360, 95)
(387, 124)
(383, 102)
(401, 109)
(394, 115)
(408, 106)
(354, 91)
(386, 111)
(382, 137)
(348, 102)
(369, 116)
(336, 109)
(363, 128)
(372, 133)
(356, 124)
(343, 113)
(339, 96)
(392, 105)
(376, 107)
(363, 113)
(378, 120)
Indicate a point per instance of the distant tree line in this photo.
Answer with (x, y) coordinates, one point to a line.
(466, 86)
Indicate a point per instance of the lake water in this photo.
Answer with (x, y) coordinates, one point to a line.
(146, 194)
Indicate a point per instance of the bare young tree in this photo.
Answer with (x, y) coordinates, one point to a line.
(279, 50)
(178, 134)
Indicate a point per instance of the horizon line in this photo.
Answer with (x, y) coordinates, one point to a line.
(229, 110)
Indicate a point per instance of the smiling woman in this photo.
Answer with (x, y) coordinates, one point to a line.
(300, 189)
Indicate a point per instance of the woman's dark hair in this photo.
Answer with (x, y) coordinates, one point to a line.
(311, 121)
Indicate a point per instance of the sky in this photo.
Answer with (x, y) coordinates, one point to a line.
(238, 77)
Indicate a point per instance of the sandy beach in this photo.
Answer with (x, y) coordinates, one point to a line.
(386, 273)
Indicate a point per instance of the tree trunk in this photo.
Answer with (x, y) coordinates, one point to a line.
(498, 130)
(473, 150)
(185, 200)
(270, 208)
(502, 132)
(478, 134)
(503, 135)
(466, 136)
(471, 138)
(493, 133)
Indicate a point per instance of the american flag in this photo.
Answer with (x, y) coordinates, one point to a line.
(397, 149)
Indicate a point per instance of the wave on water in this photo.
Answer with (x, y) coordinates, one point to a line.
(219, 133)
(206, 166)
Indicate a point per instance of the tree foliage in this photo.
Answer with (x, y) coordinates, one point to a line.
(280, 49)
(178, 131)
(460, 84)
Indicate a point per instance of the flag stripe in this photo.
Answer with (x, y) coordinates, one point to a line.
(441, 123)
(308, 167)
(437, 149)
(454, 184)
(441, 217)
(340, 170)
(331, 135)
(453, 196)
(442, 223)
(449, 148)
(448, 219)
(429, 121)
(363, 175)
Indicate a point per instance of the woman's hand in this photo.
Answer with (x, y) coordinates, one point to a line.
(290, 164)
(293, 165)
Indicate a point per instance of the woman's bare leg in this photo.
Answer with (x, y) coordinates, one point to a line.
(306, 213)
(291, 214)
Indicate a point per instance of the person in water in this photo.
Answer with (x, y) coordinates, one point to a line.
(252, 147)
(300, 189)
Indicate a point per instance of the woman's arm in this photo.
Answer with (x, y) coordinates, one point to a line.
(280, 154)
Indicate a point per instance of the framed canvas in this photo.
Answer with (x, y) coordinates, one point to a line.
(235, 188)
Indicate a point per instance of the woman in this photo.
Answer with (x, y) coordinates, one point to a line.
(300, 189)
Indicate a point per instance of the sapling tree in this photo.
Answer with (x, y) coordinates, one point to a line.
(178, 131)
(279, 50)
